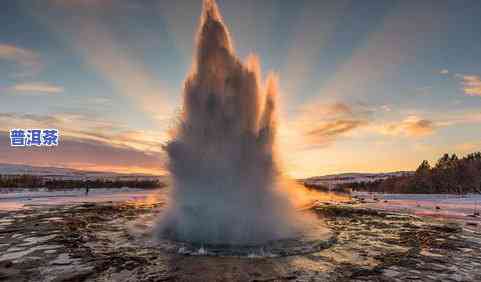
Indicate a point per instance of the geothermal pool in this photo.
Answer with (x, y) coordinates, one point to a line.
(314, 239)
(110, 241)
(451, 206)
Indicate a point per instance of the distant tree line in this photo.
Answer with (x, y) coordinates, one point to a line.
(449, 175)
(32, 181)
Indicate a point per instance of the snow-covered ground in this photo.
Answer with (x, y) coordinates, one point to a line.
(14, 198)
(27, 198)
(442, 206)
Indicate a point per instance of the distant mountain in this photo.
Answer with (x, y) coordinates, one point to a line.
(333, 179)
(67, 173)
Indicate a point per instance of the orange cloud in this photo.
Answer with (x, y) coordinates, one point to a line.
(81, 153)
(327, 110)
(37, 87)
(319, 125)
(27, 59)
(325, 133)
(410, 126)
(471, 84)
(92, 128)
(21, 55)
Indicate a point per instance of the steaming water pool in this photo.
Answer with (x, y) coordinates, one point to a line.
(315, 238)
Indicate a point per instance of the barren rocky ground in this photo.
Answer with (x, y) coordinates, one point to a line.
(98, 242)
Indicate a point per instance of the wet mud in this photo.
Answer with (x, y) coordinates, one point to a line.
(102, 242)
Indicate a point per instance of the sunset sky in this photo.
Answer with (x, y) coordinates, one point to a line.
(366, 86)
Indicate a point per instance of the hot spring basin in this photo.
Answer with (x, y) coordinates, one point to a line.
(316, 238)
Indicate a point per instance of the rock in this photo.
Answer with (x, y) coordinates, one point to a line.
(6, 264)
(390, 273)
(62, 259)
(74, 276)
(457, 277)
(371, 246)
(130, 265)
(451, 227)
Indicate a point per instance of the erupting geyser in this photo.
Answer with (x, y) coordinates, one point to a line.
(221, 156)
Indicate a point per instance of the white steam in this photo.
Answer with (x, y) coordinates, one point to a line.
(221, 157)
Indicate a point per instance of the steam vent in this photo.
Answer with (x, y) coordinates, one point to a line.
(222, 155)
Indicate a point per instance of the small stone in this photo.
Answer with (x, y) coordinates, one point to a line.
(390, 273)
(6, 264)
(62, 259)
(457, 277)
